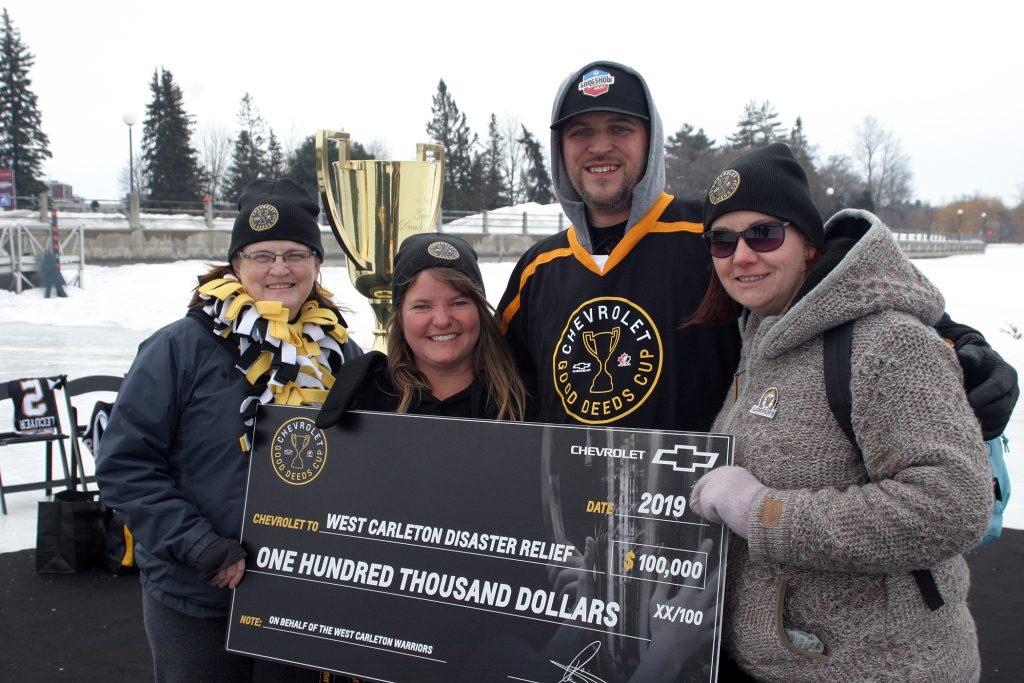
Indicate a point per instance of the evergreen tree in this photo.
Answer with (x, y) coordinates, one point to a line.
(302, 164)
(23, 145)
(745, 136)
(474, 194)
(249, 159)
(493, 188)
(535, 179)
(691, 161)
(758, 126)
(804, 152)
(170, 163)
(769, 129)
(448, 128)
(275, 157)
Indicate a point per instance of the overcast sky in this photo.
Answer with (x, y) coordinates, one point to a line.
(945, 77)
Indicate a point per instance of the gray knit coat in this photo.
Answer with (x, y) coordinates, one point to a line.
(834, 536)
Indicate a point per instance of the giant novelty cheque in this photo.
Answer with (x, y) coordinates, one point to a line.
(410, 548)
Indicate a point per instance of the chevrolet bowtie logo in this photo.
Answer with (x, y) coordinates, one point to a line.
(684, 458)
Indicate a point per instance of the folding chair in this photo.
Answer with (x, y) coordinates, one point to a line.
(79, 387)
(34, 393)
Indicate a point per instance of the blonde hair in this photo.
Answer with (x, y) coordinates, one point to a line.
(492, 361)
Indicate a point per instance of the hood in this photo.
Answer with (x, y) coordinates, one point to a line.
(647, 190)
(862, 271)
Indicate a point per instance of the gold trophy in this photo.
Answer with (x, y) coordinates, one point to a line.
(603, 382)
(374, 205)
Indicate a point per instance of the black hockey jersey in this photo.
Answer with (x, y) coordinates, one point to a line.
(604, 345)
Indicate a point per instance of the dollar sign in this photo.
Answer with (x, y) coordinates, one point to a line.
(628, 564)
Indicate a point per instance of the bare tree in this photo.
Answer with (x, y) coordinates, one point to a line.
(515, 164)
(378, 149)
(292, 139)
(838, 185)
(879, 156)
(214, 155)
(136, 171)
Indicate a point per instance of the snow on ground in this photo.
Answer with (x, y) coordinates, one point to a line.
(96, 330)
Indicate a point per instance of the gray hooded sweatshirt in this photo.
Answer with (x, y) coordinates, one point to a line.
(647, 190)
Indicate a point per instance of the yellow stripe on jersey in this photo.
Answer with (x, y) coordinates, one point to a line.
(513, 306)
(648, 224)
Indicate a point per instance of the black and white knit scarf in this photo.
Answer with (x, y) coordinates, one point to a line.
(289, 363)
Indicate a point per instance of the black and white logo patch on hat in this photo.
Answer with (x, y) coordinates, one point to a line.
(725, 186)
(263, 217)
(443, 250)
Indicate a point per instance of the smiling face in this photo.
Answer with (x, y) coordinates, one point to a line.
(605, 154)
(764, 282)
(441, 327)
(289, 284)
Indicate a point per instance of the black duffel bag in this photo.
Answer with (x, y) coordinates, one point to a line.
(70, 532)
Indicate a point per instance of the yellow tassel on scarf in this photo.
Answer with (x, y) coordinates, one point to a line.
(228, 302)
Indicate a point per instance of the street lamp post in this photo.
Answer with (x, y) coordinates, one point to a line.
(831, 191)
(959, 221)
(130, 120)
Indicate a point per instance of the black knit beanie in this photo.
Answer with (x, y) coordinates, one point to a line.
(431, 250)
(767, 180)
(276, 210)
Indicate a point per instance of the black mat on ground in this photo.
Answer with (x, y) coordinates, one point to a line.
(88, 626)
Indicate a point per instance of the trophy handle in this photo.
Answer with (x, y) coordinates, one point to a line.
(423, 150)
(329, 192)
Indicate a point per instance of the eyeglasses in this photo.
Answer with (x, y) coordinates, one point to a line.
(268, 258)
(763, 237)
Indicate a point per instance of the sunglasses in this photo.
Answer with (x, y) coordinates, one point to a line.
(763, 237)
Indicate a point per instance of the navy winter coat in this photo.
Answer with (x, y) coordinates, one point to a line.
(172, 462)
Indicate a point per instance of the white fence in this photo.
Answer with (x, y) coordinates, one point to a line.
(502, 234)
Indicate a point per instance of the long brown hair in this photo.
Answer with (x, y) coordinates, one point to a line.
(217, 272)
(491, 359)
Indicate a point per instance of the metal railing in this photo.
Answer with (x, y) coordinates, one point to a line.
(21, 254)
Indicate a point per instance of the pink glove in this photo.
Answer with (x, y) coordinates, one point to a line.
(724, 496)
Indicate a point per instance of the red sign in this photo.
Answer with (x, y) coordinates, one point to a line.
(7, 188)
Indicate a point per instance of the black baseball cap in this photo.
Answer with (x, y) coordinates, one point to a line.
(602, 87)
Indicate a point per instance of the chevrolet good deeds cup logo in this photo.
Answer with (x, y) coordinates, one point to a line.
(263, 217)
(298, 451)
(725, 186)
(596, 82)
(443, 250)
(607, 360)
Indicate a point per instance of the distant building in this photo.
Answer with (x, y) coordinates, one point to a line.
(61, 191)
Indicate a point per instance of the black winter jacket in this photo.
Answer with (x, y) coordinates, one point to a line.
(172, 462)
(365, 384)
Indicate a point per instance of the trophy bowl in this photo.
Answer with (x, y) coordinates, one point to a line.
(372, 207)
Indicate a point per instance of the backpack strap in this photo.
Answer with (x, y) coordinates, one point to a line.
(838, 351)
(838, 374)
